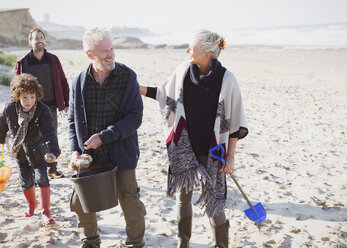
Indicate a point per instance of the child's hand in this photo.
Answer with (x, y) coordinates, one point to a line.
(50, 158)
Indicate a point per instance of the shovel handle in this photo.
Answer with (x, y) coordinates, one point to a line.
(239, 187)
(221, 158)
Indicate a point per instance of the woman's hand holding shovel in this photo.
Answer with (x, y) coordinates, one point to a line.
(228, 167)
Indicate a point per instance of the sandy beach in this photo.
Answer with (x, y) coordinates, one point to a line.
(292, 161)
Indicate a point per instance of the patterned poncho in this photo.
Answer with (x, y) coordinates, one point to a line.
(185, 171)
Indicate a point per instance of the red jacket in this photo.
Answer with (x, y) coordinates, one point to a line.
(61, 86)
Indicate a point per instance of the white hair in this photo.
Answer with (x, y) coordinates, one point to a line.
(209, 42)
(93, 36)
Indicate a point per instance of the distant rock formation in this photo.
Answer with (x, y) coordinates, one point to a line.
(130, 31)
(60, 31)
(6, 42)
(165, 46)
(15, 25)
(126, 42)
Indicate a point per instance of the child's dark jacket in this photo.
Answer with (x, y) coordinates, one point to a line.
(40, 132)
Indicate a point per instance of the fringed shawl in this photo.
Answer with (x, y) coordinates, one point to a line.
(185, 171)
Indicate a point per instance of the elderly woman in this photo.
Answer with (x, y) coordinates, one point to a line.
(203, 107)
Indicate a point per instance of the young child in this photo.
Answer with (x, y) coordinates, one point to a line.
(30, 124)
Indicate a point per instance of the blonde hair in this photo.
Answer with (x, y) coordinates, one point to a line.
(210, 42)
(93, 36)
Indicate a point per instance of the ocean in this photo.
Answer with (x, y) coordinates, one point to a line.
(306, 37)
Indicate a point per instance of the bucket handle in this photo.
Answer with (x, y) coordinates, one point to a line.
(79, 167)
(79, 170)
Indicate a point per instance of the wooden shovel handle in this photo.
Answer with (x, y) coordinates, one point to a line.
(237, 184)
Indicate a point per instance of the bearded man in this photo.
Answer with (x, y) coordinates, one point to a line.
(104, 115)
(47, 68)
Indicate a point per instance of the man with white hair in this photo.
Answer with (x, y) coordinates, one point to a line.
(104, 115)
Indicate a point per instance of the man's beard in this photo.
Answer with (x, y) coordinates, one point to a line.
(39, 48)
(100, 66)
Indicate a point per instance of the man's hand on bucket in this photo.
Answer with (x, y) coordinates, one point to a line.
(79, 162)
(74, 157)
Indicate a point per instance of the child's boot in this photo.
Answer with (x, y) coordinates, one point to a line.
(45, 195)
(31, 199)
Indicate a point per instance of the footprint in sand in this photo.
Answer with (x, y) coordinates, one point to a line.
(304, 217)
(3, 236)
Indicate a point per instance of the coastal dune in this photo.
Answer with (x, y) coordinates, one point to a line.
(293, 160)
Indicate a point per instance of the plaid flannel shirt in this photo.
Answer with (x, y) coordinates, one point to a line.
(102, 103)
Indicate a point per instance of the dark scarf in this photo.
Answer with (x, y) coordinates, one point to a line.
(23, 121)
(207, 81)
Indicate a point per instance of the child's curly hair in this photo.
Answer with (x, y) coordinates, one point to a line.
(25, 83)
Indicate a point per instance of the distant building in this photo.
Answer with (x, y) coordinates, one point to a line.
(46, 18)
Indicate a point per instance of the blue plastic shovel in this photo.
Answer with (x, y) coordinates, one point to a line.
(256, 213)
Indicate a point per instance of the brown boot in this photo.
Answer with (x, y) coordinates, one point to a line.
(31, 199)
(184, 232)
(45, 201)
(221, 235)
(53, 173)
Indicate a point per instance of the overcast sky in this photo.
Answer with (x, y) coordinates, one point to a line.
(187, 15)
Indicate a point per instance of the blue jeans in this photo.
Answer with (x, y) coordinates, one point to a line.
(29, 175)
